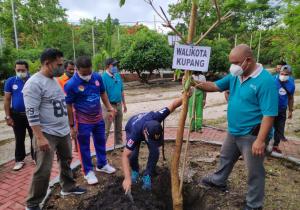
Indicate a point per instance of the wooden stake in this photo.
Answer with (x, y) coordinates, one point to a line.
(176, 194)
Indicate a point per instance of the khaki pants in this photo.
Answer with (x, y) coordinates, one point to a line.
(117, 124)
(41, 176)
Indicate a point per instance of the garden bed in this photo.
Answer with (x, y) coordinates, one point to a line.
(282, 186)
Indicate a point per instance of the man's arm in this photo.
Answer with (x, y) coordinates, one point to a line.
(175, 104)
(291, 106)
(207, 86)
(7, 102)
(258, 146)
(126, 169)
(42, 142)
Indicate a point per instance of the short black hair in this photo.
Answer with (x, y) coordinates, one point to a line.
(67, 62)
(50, 54)
(22, 62)
(83, 62)
(282, 63)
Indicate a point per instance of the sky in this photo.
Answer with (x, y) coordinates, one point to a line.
(130, 13)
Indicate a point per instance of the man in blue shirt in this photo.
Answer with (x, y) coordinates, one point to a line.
(83, 93)
(286, 89)
(252, 106)
(114, 88)
(144, 127)
(15, 114)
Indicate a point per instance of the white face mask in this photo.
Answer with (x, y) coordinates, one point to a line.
(22, 75)
(85, 78)
(283, 78)
(236, 70)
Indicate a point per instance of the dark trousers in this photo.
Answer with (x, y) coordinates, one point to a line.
(153, 147)
(279, 125)
(20, 126)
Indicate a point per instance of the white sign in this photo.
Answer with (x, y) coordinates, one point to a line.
(189, 57)
(173, 39)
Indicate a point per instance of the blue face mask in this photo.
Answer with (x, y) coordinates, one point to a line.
(114, 70)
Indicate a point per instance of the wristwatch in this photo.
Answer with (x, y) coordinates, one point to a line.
(7, 117)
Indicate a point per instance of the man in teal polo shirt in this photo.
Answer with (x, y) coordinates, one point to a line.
(114, 88)
(252, 106)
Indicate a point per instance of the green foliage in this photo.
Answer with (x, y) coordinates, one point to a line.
(144, 51)
(34, 66)
(99, 59)
(220, 50)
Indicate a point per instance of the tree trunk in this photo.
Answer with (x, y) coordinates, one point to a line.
(176, 194)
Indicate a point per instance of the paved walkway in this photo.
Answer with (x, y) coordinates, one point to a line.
(14, 185)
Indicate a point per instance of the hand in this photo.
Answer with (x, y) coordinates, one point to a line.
(258, 148)
(43, 144)
(73, 132)
(200, 85)
(10, 122)
(111, 114)
(124, 108)
(290, 115)
(127, 185)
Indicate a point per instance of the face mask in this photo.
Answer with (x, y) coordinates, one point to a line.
(58, 71)
(236, 70)
(114, 70)
(22, 75)
(85, 78)
(69, 74)
(283, 78)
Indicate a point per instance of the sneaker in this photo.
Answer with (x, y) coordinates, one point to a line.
(146, 182)
(33, 208)
(249, 208)
(106, 169)
(91, 178)
(276, 149)
(18, 165)
(206, 181)
(134, 176)
(75, 191)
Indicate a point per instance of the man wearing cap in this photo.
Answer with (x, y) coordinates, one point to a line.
(144, 127)
(114, 88)
(286, 90)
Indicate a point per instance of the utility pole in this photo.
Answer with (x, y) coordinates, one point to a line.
(154, 23)
(258, 49)
(14, 22)
(251, 41)
(73, 42)
(93, 38)
(235, 40)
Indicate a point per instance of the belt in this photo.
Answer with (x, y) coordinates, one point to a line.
(114, 103)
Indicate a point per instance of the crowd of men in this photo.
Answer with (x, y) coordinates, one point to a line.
(61, 103)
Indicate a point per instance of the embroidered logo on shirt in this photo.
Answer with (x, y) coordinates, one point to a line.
(282, 92)
(97, 83)
(130, 143)
(15, 87)
(81, 88)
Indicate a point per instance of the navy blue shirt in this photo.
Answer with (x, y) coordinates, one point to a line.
(283, 95)
(135, 126)
(14, 86)
(85, 97)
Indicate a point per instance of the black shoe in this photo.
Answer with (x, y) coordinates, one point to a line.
(75, 191)
(206, 181)
(249, 208)
(33, 208)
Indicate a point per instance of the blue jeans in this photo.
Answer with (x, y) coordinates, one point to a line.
(83, 137)
(153, 147)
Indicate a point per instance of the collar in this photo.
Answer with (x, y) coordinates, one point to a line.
(254, 74)
(110, 74)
